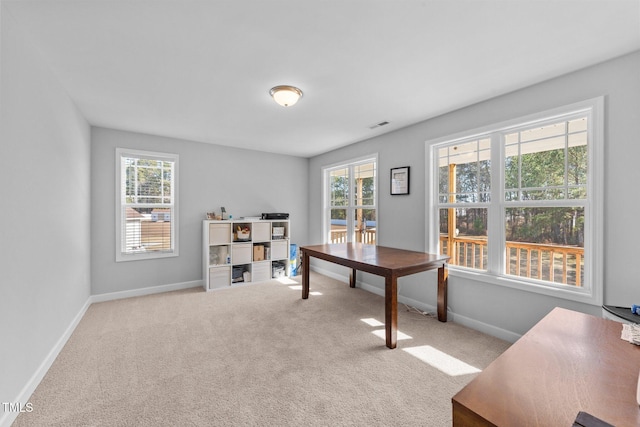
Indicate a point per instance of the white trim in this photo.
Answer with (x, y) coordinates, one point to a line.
(326, 207)
(596, 185)
(468, 322)
(329, 273)
(348, 162)
(119, 255)
(7, 418)
(594, 206)
(145, 291)
(487, 328)
(513, 283)
(595, 103)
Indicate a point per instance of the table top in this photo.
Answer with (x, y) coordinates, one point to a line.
(376, 259)
(568, 362)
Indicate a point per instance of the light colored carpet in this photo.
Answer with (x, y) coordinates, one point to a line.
(255, 355)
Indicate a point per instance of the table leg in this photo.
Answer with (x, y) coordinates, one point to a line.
(391, 310)
(305, 275)
(352, 278)
(443, 279)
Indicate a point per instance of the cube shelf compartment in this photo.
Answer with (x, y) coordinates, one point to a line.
(241, 251)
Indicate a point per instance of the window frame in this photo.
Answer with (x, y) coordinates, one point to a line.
(122, 256)
(351, 206)
(594, 204)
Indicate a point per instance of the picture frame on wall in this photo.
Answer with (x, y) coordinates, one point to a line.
(400, 180)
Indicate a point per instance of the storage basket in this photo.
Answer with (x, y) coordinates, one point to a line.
(278, 233)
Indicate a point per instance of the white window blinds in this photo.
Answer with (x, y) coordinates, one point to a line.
(147, 211)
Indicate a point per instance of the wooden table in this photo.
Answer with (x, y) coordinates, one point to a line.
(568, 362)
(389, 263)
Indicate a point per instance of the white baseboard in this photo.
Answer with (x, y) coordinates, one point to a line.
(486, 328)
(329, 273)
(8, 417)
(145, 291)
(23, 397)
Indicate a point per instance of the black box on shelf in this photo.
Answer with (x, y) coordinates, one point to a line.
(275, 216)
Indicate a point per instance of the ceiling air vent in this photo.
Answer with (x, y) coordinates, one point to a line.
(377, 125)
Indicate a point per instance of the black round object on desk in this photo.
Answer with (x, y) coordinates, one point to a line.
(624, 312)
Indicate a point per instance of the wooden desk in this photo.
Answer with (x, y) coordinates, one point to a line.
(568, 362)
(390, 263)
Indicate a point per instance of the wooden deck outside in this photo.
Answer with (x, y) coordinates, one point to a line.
(554, 263)
(339, 235)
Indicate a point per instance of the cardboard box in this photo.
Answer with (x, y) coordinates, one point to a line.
(258, 252)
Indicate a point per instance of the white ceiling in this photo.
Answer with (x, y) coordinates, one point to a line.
(202, 70)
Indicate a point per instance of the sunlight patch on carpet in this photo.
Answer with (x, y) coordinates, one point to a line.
(442, 361)
(299, 288)
(381, 334)
(372, 322)
(286, 281)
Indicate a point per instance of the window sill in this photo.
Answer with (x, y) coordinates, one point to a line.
(120, 257)
(581, 295)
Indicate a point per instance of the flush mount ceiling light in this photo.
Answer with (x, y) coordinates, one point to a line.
(285, 95)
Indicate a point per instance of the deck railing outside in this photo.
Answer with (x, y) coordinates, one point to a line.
(367, 236)
(554, 263)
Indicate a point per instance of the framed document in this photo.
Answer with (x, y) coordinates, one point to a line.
(400, 180)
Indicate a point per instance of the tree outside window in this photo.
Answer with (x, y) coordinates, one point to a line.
(351, 202)
(518, 202)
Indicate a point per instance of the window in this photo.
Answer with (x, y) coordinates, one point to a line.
(350, 202)
(519, 204)
(147, 214)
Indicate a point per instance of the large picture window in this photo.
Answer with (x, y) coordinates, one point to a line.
(350, 202)
(146, 215)
(520, 203)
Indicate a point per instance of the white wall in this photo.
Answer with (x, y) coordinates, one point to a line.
(245, 182)
(502, 311)
(60, 190)
(44, 219)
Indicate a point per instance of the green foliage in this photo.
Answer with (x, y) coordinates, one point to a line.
(472, 222)
(555, 174)
(148, 181)
(339, 190)
(541, 175)
(338, 214)
(558, 225)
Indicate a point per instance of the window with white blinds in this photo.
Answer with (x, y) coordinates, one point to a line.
(146, 215)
